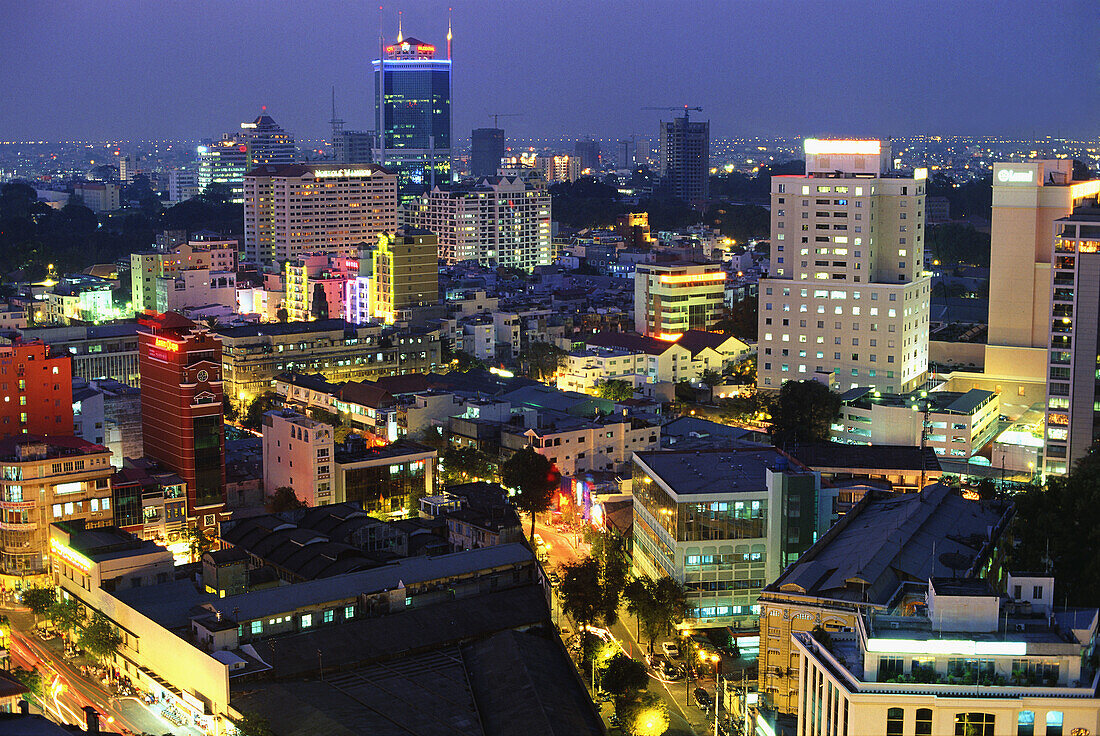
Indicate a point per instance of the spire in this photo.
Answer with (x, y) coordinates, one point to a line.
(400, 35)
(449, 34)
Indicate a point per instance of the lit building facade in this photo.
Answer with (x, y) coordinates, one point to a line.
(225, 162)
(389, 479)
(501, 221)
(1073, 409)
(404, 273)
(294, 209)
(298, 454)
(848, 303)
(412, 109)
(37, 386)
(670, 299)
(316, 284)
(181, 409)
(267, 142)
(148, 266)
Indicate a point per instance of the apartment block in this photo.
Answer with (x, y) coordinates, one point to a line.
(298, 453)
(670, 299)
(212, 256)
(316, 285)
(294, 209)
(847, 303)
(1073, 383)
(500, 221)
(402, 272)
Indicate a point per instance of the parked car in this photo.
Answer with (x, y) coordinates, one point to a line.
(702, 698)
(670, 648)
(655, 660)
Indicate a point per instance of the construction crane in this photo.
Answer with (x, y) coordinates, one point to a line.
(497, 115)
(685, 108)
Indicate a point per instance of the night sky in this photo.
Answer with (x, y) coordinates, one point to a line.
(195, 68)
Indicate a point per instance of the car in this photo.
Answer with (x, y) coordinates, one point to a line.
(672, 671)
(702, 698)
(670, 648)
(538, 540)
(655, 660)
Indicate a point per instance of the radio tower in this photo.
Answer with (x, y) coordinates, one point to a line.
(336, 123)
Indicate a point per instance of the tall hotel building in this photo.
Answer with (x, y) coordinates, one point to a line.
(226, 161)
(500, 221)
(181, 408)
(1073, 378)
(412, 111)
(294, 209)
(847, 304)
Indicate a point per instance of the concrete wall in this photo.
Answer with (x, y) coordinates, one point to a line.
(957, 353)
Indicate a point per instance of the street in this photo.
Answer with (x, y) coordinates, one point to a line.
(66, 690)
(685, 718)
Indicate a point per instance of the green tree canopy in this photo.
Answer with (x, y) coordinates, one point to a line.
(99, 638)
(581, 597)
(534, 479)
(623, 676)
(30, 679)
(65, 615)
(285, 499)
(615, 390)
(199, 542)
(542, 360)
(802, 413)
(658, 605)
(253, 724)
(253, 417)
(39, 599)
(465, 464)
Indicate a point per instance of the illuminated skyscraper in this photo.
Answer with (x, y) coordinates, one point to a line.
(412, 111)
(267, 142)
(227, 160)
(848, 303)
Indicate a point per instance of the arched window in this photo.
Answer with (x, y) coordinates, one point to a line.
(895, 720)
(924, 722)
(1054, 723)
(1025, 723)
(973, 724)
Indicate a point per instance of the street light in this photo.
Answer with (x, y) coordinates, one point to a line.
(651, 722)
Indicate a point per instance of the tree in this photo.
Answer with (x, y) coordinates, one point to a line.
(99, 638)
(465, 464)
(66, 615)
(199, 543)
(624, 676)
(319, 307)
(229, 410)
(30, 679)
(39, 600)
(534, 479)
(711, 378)
(285, 499)
(542, 360)
(803, 413)
(254, 414)
(580, 595)
(253, 724)
(610, 551)
(658, 605)
(282, 315)
(615, 390)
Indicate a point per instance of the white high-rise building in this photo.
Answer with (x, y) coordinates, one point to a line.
(294, 209)
(847, 303)
(502, 221)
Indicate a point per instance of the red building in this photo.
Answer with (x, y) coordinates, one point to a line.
(36, 391)
(181, 408)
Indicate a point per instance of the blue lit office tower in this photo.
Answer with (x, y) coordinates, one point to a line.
(412, 111)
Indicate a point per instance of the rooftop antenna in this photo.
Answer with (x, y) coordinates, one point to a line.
(400, 33)
(336, 123)
(449, 34)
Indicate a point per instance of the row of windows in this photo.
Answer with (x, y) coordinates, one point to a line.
(972, 724)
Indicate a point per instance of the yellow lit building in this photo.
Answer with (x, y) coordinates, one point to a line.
(404, 273)
(670, 299)
(315, 285)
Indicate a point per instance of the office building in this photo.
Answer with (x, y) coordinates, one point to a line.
(148, 267)
(388, 480)
(37, 384)
(181, 408)
(724, 523)
(298, 454)
(254, 355)
(96, 351)
(315, 285)
(224, 162)
(404, 273)
(293, 209)
(126, 168)
(500, 221)
(98, 196)
(559, 168)
(267, 142)
(486, 151)
(1027, 199)
(848, 303)
(672, 298)
(685, 159)
(1072, 415)
(352, 147)
(626, 153)
(48, 479)
(634, 229)
(183, 184)
(954, 656)
(588, 151)
(861, 563)
(412, 111)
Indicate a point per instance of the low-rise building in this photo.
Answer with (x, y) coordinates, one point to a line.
(724, 523)
(388, 480)
(952, 656)
(885, 541)
(956, 425)
(683, 359)
(97, 351)
(298, 454)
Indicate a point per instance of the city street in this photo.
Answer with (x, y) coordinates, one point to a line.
(685, 718)
(67, 690)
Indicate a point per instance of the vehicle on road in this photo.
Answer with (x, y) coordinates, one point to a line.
(538, 540)
(702, 698)
(670, 649)
(672, 671)
(655, 660)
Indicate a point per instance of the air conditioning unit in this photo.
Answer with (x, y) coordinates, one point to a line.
(1020, 627)
(895, 625)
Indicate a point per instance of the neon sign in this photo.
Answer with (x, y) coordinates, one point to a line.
(688, 278)
(855, 148)
(335, 173)
(1009, 176)
(168, 345)
(71, 556)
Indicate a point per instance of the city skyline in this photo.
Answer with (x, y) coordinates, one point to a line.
(291, 64)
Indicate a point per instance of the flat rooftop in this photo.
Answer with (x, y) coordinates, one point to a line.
(717, 471)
